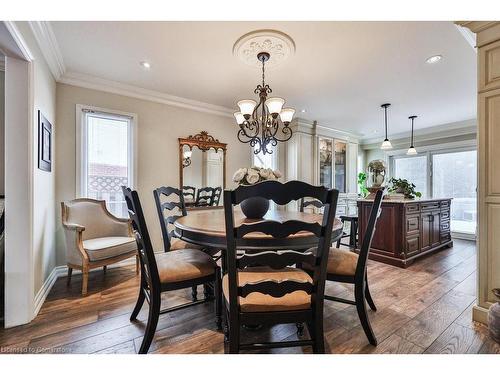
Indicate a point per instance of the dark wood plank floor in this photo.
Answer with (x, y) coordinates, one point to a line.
(423, 309)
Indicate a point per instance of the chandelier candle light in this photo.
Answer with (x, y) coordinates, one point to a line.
(412, 150)
(265, 123)
(386, 144)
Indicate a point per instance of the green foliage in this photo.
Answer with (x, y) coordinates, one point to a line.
(400, 185)
(362, 184)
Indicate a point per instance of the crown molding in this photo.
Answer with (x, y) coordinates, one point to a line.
(452, 129)
(46, 39)
(468, 35)
(114, 87)
(19, 40)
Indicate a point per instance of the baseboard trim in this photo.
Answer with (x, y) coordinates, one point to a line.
(480, 314)
(463, 236)
(44, 291)
(62, 271)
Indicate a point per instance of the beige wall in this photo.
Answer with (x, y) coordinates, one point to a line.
(159, 126)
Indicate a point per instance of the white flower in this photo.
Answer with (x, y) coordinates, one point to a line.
(265, 173)
(239, 175)
(253, 177)
(277, 173)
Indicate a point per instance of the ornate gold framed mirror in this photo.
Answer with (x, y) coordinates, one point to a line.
(202, 170)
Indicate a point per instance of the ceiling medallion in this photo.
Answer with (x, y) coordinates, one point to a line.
(277, 44)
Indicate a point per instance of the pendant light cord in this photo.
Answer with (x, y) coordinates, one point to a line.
(385, 115)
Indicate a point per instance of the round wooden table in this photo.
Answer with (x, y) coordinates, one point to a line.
(207, 228)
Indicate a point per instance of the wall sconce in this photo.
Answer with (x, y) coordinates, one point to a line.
(186, 160)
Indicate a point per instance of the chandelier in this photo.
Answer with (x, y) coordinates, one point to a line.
(265, 123)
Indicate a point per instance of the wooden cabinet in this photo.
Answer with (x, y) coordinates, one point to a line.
(407, 229)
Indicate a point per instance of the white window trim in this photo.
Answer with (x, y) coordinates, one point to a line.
(81, 150)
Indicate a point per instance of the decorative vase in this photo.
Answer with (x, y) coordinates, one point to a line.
(494, 318)
(255, 207)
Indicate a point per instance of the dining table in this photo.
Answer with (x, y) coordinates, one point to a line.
(207, 228)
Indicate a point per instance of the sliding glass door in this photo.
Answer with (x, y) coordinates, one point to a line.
(444, 174)
(454, 174)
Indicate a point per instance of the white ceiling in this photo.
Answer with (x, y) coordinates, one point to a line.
(341, 72)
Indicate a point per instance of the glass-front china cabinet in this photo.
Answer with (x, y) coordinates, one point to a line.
(334, 162)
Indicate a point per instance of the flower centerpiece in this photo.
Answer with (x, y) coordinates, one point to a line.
(255, 207)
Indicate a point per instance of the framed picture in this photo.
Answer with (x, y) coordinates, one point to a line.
(44, 143)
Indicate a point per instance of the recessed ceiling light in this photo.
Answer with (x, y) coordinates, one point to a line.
(303, 111)
(434, 59)
(145, 64)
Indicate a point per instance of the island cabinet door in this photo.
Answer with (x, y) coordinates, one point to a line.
(430, 227)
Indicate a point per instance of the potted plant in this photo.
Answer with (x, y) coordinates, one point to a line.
(494, 317)
(255, 207)
(402, 186)
(363, 191)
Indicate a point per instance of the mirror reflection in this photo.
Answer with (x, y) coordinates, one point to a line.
(202, 175)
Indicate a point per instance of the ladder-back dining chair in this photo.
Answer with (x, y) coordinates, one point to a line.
(348, 267)
(188, 192)
(204, 197)
(166, 271)
(262, 287)
(166, 207)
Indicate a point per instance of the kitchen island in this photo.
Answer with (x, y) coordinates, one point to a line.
(407, 229)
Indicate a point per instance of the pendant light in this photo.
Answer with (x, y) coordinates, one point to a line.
(412, 150)
(386, 144)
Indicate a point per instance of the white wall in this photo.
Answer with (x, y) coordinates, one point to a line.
(159, 127)
(44, 99)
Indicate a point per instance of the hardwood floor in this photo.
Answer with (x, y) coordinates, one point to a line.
(423, 309)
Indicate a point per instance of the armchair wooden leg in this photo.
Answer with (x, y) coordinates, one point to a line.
(70, 272)
(218, 299)
(85, 280)
(363, 316)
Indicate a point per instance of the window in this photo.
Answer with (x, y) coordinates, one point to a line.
(267, 160)
(413, 169)
(105, 157)
(454, 174)
(445, 174)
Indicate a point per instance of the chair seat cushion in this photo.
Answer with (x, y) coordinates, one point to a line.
(108, 247)
(342, 262)
(259, 302)
(177, 244)
(184, 264)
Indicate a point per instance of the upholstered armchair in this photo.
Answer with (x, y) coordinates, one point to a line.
(94, 237)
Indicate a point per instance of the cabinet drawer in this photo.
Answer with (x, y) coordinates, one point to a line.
(445, 204)
(445, 226)
(412, 224)
(412, 208)
(445, 215)
(430, 206)
(412, 246)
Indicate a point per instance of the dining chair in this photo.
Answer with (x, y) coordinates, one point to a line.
(348, 267)
(309, 203)
(188, 192)
(216, 196)
(165, 208)
(262, 287)
(204, 197)
(166, 271)
(352, 219)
